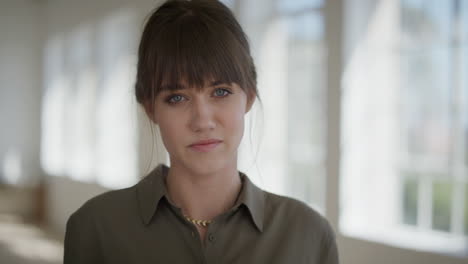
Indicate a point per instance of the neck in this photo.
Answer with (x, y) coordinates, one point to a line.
(203, 196)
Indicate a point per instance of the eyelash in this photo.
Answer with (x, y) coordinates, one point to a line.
(170, 97)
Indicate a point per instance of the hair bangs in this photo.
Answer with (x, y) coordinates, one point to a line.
(190, 44)
(195, 53)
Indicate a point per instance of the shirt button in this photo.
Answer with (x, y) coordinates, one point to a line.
(211, 237)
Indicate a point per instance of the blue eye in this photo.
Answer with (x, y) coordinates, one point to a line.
(175, 99)
(220, 92)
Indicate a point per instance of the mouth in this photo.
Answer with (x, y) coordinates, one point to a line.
(205, 145)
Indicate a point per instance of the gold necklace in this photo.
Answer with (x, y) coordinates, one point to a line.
(203, 223)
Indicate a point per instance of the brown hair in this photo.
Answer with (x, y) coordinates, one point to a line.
(194, 42)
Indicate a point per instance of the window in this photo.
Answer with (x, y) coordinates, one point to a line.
(287, 39)
(434, 170)
(89, 118)
(405, 105)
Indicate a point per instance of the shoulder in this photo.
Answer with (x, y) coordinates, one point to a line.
(291, 207)
(107, 204)
(298, 214)
(91, 222)
(303, 225)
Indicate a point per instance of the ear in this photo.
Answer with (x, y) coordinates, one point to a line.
(250, 101)
(149, 110)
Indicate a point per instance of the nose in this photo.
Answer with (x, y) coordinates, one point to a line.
(202, 116)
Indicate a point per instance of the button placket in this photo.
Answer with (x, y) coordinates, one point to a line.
(211, 237)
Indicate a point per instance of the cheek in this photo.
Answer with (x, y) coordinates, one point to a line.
(234, 123)
(170, 130)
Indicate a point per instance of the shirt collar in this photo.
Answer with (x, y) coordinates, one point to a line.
(152, 188)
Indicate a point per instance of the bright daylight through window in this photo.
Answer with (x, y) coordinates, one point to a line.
(287, 39)
(405, 124)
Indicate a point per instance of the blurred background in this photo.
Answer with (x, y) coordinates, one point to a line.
(364, 117)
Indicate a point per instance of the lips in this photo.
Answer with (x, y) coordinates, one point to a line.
(205, 145)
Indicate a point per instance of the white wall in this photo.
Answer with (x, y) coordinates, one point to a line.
(20, 90)
(26, 27)
(357, 251)
(20, 102)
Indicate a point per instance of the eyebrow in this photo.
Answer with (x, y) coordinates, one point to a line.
(178, 87)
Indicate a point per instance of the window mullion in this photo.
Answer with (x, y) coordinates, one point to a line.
(457, 112)
(425, 203)
(457, 207)
(334, 43)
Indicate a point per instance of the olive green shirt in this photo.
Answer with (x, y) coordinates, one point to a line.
(140, 225)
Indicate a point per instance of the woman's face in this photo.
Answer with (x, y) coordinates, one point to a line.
(202, 129)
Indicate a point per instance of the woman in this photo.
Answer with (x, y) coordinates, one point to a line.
(196, 80)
